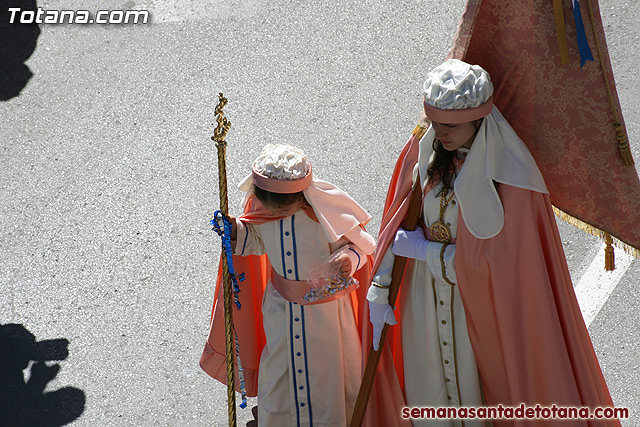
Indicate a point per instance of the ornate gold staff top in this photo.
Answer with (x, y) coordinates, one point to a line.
(219, 136)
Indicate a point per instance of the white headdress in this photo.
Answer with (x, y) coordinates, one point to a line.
(458, 87)
(285, 169)
(456, 92)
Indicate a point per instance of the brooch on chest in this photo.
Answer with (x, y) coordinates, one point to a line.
(439, 231)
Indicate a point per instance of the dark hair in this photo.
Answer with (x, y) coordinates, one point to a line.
(277, 200)
(441, 168)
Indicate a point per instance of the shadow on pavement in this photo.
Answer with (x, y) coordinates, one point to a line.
(23, 401)
(254, 421)
(17, 43)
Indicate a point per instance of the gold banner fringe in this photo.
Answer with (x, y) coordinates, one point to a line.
(606, 237)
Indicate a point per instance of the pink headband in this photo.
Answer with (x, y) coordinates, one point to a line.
(439, 115)
(283, 186)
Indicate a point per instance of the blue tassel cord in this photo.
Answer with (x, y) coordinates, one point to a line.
(243, 387)
(224, 232)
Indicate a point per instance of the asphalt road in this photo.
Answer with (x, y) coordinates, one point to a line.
(108, 179)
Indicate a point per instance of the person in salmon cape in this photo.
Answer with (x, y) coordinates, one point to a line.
(303, 248)
(486, 313)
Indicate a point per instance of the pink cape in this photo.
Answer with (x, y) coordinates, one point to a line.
(525, 326)
(248, 320)
(387, 395)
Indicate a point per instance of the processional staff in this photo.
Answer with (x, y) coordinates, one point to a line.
(218, 137)
(410, 223)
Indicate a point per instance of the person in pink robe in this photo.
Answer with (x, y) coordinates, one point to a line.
(486, 313)
(299, 244)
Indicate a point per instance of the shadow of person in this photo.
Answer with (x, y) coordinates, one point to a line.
(18, 43)
(254, 421)
(24, 402)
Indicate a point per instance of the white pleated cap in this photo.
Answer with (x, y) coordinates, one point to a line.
(456, 85)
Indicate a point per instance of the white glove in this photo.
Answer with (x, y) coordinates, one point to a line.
(379, 314)
(410, 244)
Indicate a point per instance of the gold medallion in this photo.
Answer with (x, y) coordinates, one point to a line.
(440, 232)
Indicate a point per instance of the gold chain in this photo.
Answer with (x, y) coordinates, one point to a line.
(443, 203)
(439, 231)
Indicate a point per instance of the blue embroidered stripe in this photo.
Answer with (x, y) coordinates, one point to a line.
(306, 366)
(295, 253)
(293, 363)
(284, 267)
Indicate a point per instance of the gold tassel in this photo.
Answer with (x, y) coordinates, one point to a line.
(623, 142)
(609, 257)
(631, 250)
(623, 146)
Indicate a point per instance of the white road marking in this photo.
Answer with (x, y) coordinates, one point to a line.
(596, 283)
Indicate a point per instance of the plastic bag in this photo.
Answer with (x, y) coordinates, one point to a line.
(325, 280)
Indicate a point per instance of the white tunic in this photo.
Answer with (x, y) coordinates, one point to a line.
(310, 367)
(439, 366)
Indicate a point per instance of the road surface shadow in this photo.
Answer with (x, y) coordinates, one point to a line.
(18, 41)
(25, 371)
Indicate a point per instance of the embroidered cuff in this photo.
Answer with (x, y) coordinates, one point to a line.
(378, 295)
